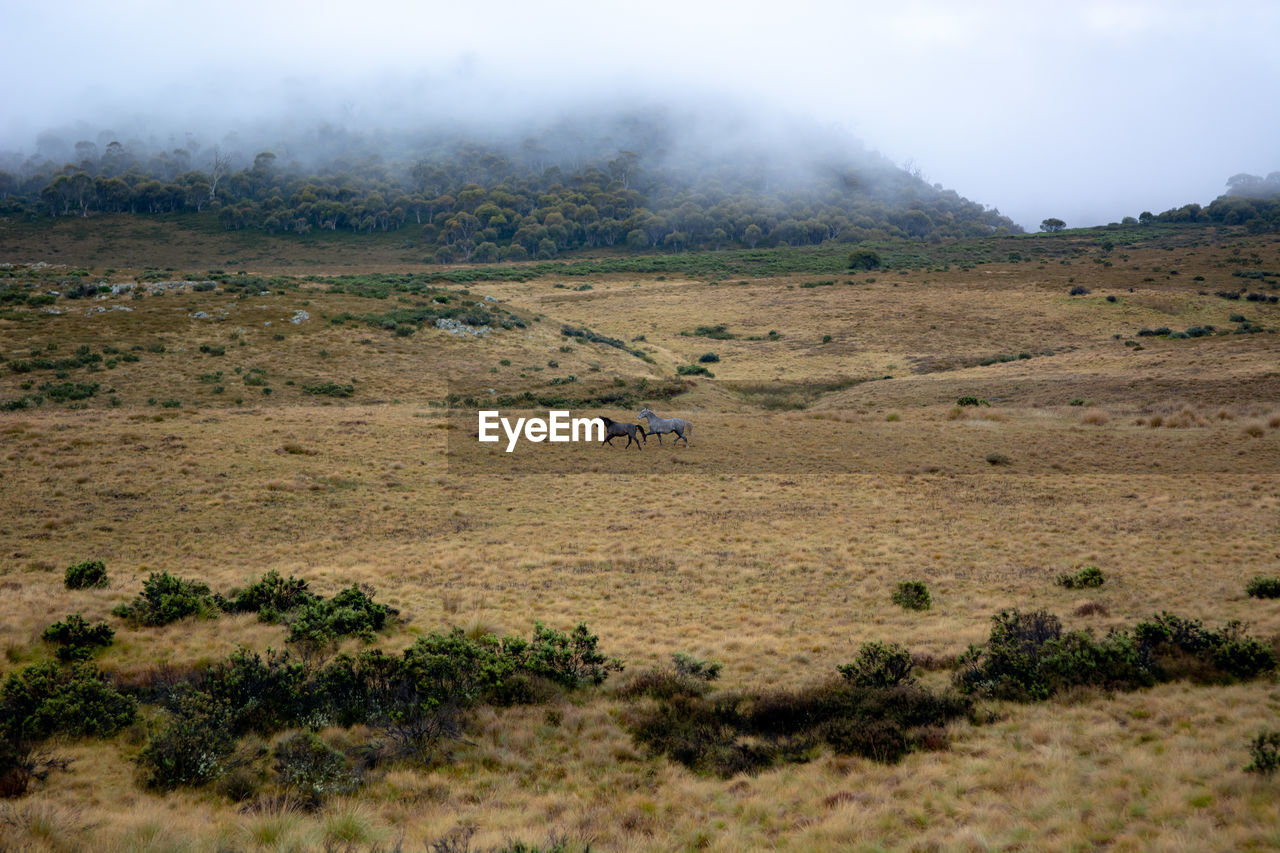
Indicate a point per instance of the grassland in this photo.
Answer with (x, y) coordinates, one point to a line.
(829, 461)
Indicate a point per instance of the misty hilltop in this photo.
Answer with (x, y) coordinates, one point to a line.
(643, 180)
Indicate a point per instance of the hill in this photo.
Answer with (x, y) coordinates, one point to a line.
(635, 182)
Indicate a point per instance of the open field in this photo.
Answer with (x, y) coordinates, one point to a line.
(829, 461)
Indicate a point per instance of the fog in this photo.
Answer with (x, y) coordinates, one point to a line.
(1087, 112)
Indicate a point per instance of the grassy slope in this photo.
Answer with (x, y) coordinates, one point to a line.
(771, 544)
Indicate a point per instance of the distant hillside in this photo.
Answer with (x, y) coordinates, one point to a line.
(634, 183)
(1250, 200)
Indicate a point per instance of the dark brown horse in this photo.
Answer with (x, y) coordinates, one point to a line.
(616, 429)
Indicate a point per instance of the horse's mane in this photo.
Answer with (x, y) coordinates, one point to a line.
(608, 422)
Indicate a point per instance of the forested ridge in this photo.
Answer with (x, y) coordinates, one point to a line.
(634, 185)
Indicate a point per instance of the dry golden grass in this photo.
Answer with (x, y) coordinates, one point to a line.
(771, 544)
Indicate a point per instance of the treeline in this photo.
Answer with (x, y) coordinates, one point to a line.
(1250, 200)
(467, 201)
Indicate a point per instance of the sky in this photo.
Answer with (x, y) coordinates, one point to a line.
(1084, 111)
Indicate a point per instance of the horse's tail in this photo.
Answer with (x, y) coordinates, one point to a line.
(643, 434)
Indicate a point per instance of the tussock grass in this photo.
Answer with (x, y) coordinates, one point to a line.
(771, 548)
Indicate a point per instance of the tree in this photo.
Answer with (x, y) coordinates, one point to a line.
(218, 166)
(1146, 217)
(1052, 224)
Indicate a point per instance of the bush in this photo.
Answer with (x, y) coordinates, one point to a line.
(1265, 752)
(913, 595)
(306, 764)
(332, 389)
(76, 638)
(262, 696)
(1029, 657)
(1263, 587)
(971, 400)
(864, 259)
(351, 612)
(693, 370)
(737, 734)
(688, 676)
(270, 597)
(879, 665)
(708, 358)
(456, 667)
(1089, 576)
(1079, 290)
(570, 660)
(193, 749)
(166, 599)
(87, 574)
(45, 699)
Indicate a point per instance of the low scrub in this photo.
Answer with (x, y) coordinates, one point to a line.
(271, 597)
(86, 574)
(166, 598)
(312, 769)
(193, 748)
(76, 639)
(1263, 587)
(687, 676)
(352, 612)
(912, 595)
(329, 389)
(1089, 576)
(1029, 657)
(880, 665)
(1265, 752)
(45, 699)
(746, 733)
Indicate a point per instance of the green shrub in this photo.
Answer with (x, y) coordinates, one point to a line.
(693, 370)
(262, 696)
(351, 612)
(67, 391)
(690, 667)
(879, 665)
(1263, 587)
(270, 597)
(329, 389)
(913, 595)
(570, 660)
(45, 699)
(166, 599)
(193, 749)
(971, 400)
(460, 668)
(708, 358)
(1089, 576)
(1265, 752)
(864, 259)
(86, 574)
(746, 733)
(310, 767)
(76, 638)
(1028, 656)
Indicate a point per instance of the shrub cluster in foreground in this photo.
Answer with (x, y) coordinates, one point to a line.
(415, 703)
(876, 711)
(1028, 656)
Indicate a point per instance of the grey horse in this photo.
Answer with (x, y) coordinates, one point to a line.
(617, 429)
(658, 426)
